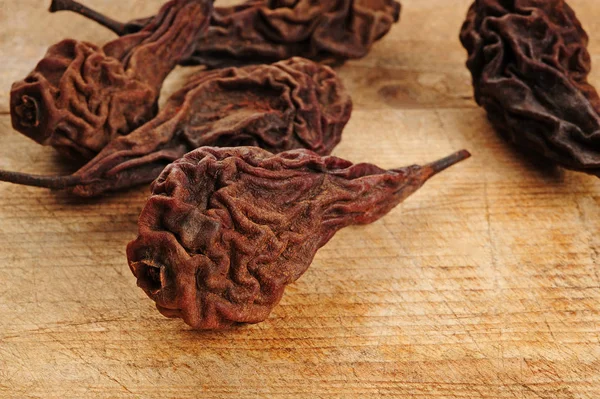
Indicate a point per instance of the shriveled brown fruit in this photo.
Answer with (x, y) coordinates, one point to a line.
(291, 104)
(530, 63)
(270, 30)
(81, 96)
(227, 229)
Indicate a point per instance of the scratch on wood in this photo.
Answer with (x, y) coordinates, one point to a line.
(88, 363)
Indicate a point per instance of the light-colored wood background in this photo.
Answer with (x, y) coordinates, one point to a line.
(485, 284)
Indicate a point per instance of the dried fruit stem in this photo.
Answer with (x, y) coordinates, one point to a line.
(78, 8)
(51, 182)
(440, 165)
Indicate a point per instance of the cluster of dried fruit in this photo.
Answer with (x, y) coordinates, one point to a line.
(290, 104)
(226, 229)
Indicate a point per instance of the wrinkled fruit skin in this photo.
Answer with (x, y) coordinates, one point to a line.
(287, 105)
(279, 29)
(290, 104)
(529, 63)
(227, 229)
(81, 96)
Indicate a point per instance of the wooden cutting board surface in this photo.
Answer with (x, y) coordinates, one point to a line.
(485, 284)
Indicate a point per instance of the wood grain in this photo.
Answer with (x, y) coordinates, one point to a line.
(485, 284)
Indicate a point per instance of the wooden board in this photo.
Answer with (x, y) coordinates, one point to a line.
(485, 284)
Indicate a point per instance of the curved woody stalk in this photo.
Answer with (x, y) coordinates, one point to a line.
(80, 96)
(529, 63)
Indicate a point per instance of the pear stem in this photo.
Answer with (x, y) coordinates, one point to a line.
(446, 162)
(78, 8)
(51, 182)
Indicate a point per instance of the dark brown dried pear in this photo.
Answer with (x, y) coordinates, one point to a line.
(227, 229)
(80, 96)
(530, 64)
